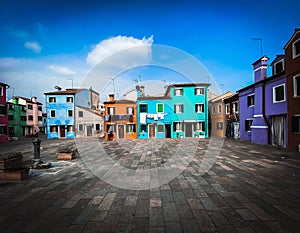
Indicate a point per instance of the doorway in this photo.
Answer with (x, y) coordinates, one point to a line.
(188, 129)
(168, 130)
(151, 131)
(121, 130)
(62, 131)
(278, 131)
(89, 131)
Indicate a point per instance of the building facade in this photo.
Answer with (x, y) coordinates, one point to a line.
(292, 67)
(154, 117)
(232, 116)
(3, 113)
(218, 115)
(120, 119)
(263, 105)
(25, 116)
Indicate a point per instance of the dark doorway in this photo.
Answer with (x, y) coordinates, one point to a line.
(89, 131)
(62, 131)
(151, 131)
(188, 129)
(168, 130)
(121, 131)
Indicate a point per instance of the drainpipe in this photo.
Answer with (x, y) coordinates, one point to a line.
(264, 111)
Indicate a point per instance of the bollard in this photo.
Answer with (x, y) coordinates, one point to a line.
(37, 145)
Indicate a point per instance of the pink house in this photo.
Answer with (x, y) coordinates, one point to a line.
(3, 113)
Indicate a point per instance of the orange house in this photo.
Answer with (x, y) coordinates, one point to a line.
(120, 119)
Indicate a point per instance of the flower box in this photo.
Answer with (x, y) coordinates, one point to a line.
(10, 161)
(65, 156)
(14, 175)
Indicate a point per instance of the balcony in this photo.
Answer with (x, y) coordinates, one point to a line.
(122, 117)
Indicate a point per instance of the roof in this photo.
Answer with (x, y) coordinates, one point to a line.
(3, 84)
(278, 58)
(186, 85)
(264, 56)
(232, 98)
(154, 97)
(96, 112)
(222, 97)
(292, 37)
(65, 92)
(120, 102)
(262, 81)
(28, 100)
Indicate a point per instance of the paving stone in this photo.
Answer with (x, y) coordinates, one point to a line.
(131, 201)
(179, 198)
(166, 196)
(258, 212)
(106, 202)
(140, 224)
(142, 208)
(204, 221)
(208, 204)
(173, 227)
(246, 214)
(170, 213)
(156, 216)
(189, 225)
(85, 215)
(92, 227)
(195, 204)
(184, 211)
(155, 202)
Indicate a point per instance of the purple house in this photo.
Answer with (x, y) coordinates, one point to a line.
(263, 105)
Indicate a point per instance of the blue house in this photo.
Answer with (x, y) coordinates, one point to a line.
(61, 109)
(154, 117)
(181, 112)
(190, 110)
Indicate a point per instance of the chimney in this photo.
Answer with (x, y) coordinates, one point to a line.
(111, 97)
(33, 99)
(260, 68)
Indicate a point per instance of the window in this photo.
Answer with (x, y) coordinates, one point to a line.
(296, 48)
(200, 126)
(219, 108)
(40, 118)
(227, 108)
(80, 113)
(143, 128)
(160, 128)
(69, 99)
(111, 110)
(177, 126)
(40, 108)
(130, 128)
(80, 127)
(130, 110)
(2, 110)
(30, 117)
(178, 108)
(111, 128)
(53, 128)
(279, 93)
(52, 113)
(296, 124)
(3, 130)
(236, 107)
(1, 91)
(278, 66)
(23, 109)
(159, 108)
(143, 107)
(250, 100)
(219, 125)
(70, 113)
(52, 99)
(297, 85)
(178, 92)
(10, 117)
(69, 128)
(199, 91)
(213, 110)
(98, 127)
(248, 124)
(29, 106)
(199, 108)
(23, 118)
(11, 107)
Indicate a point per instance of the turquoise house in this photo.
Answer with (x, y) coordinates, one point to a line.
(154, 117)
(182, 112)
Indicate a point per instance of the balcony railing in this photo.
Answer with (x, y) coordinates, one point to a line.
(120, 117)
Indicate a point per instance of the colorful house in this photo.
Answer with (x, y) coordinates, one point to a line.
(232, 116)
(25, 116)
(263, 105)
(181, 112)
(120, 119)
(218, 115)
(154, 117)
(3, 113)
(292, 67)
(61, 111)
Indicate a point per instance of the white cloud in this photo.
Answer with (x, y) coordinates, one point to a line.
(62, 70)
(113, 45)
(34, 46)
(8, 62)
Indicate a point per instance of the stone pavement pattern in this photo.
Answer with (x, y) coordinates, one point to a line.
(250, 188)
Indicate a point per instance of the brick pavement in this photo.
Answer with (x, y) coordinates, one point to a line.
(250, 188)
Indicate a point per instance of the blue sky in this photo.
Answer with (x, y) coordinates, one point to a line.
(46, 42)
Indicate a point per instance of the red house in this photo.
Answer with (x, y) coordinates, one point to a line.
(3, 113)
